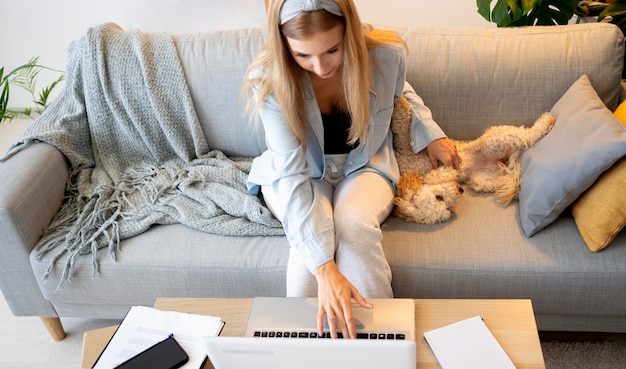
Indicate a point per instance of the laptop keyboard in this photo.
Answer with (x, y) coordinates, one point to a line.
(314, 334)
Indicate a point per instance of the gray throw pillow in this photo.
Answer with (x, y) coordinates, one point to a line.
(585, 141)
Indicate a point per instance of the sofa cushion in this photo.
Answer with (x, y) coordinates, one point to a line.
(600, 212)
(482, 253)
(585, 141)
(169, 261)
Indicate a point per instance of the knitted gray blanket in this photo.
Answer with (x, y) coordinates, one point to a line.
(138, 156)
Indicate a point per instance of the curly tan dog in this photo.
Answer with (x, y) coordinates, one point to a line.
(490, 164)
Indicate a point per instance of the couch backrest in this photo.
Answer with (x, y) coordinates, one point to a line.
(471, 78)
(215, 64)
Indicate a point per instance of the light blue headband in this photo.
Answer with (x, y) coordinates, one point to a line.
(293, 8)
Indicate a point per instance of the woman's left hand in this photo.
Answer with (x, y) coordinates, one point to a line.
(443, 151)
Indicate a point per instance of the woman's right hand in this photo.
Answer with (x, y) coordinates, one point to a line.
(335, 294)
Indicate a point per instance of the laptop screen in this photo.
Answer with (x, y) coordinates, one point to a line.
(280, 353)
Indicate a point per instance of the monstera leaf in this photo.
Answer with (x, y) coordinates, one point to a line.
(527, 12)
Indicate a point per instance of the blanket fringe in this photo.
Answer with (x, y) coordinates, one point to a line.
(153, 194)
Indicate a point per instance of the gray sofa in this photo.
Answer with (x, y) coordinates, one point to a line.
(471, 78)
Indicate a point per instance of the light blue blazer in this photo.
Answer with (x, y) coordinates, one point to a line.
(289, 168)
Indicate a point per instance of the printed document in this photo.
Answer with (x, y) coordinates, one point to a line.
(143, 327)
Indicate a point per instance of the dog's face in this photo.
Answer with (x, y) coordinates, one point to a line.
(425, 203)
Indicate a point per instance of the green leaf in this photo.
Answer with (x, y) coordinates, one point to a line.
(548, 13)
(528, 5)
(503, 14)
(615, 9)
(25, 76)
(527, 12)
(4, 100)
(45, 94)
(484, 8)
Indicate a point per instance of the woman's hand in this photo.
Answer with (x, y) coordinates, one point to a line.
(335, 294)
(443, 151)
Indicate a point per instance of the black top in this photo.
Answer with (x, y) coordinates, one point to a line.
(336, 126)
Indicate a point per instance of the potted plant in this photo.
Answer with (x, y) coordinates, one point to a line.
(589, 10)
(25, 76)
(617, 11)
(527, 12)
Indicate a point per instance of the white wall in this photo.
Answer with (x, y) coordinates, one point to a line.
(44, 28)
(421, 12)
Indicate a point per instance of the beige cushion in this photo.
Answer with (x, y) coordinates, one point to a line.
(600, 213)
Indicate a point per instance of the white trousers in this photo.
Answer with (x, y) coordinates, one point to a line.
(357, 205)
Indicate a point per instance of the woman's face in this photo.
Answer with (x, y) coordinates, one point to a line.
(321, 54)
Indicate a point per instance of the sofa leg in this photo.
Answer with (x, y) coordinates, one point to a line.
(54, 327)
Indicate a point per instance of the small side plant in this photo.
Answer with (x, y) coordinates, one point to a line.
(25, 77)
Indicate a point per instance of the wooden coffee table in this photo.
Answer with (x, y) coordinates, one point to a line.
(511, 321)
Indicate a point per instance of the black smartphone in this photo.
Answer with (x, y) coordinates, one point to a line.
(166, 354)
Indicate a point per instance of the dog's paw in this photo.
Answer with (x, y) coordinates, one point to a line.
(543, 126)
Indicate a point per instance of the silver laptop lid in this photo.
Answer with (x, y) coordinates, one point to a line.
(290, 314)
(280, 353)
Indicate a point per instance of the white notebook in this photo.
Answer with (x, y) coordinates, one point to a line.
(467, 344)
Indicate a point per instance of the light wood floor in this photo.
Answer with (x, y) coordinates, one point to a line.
(10, 131)
(26, 344)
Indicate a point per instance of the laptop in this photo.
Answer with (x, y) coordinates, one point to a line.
(281, 353)
(270, 316)
(281, 333)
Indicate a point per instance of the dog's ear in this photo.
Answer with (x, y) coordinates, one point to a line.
(401, 126)
(409, 183)
(401, 209)
(424, 209)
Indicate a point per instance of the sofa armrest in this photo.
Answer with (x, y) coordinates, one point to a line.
(32, 187)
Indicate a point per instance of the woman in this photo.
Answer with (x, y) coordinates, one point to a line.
(324, 88)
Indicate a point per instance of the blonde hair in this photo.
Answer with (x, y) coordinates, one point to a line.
(284, 78)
